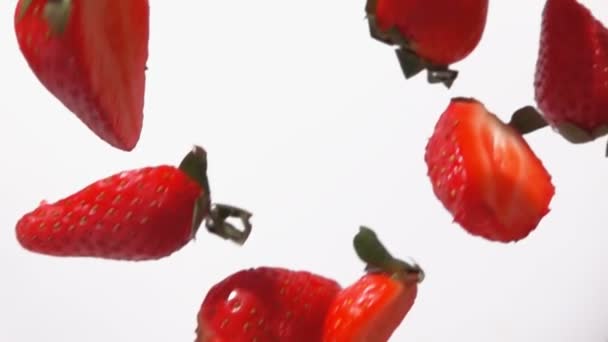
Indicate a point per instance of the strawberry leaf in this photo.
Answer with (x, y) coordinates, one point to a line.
(378, 259)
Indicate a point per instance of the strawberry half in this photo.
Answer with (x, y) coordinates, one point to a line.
(266, 304)
(91, 55)
(429, 34)
(142, 214)
(485, 174)
(571, 80)
(374, 306)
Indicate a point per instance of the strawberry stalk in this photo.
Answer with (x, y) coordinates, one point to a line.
(528, 119)
(194, 165)
(379, 260)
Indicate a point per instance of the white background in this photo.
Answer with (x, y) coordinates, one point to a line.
(309, 123)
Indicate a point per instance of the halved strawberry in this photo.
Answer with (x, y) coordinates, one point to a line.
(376, 304)
(142, 214)
(91, 55)
(485, 174)
(266, 304)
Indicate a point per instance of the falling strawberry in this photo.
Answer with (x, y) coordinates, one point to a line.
(376, 304)
(571, 82)
(429, 34)
(141, 214)
(91, 55)
(485, 174)
(266, 304)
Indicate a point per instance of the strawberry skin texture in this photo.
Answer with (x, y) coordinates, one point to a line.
(442, 32)
(370, 309)
(96, 65)
(266, 304)
(571, 81)
(140, 214)
(485, 174)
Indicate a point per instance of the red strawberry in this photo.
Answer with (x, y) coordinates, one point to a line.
(485, 174)
(571, 82)
(91, 55)
(266, 304)
(430, 34)
(141, 214)
(375, 305)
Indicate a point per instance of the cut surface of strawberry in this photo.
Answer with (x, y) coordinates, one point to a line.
(373, 307)
(91, 55)
(485, 173)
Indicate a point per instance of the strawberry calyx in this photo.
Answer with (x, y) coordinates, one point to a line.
(57, 13)
(25, 5)
(215, 216)
(379, 260)
(528, 119)
(410, 62)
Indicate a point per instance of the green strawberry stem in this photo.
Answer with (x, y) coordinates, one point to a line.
(378, 259)
(194, 165)
(527, 120)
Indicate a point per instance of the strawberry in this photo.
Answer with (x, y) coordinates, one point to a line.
(376, 304)
(571, 80)
(266, 304)
(140, 214)
(91, 55)
(485, 174)
(429, 34)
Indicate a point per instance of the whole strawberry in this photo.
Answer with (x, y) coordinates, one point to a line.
(91, 55)
(143, 214)
(571, 81)
(429, 34)
(485, 174)
(266, 304)
(374, 306)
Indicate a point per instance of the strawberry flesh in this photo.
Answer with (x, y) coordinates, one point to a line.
(485, 174)
(93, 61)
(370, 309)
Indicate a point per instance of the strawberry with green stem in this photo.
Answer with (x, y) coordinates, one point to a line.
(571, 78)
(485, 174)
(141, 214)
(374, 306)
(90, 55)
(429, 34)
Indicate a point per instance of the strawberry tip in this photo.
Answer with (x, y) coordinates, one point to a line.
(378, 259)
